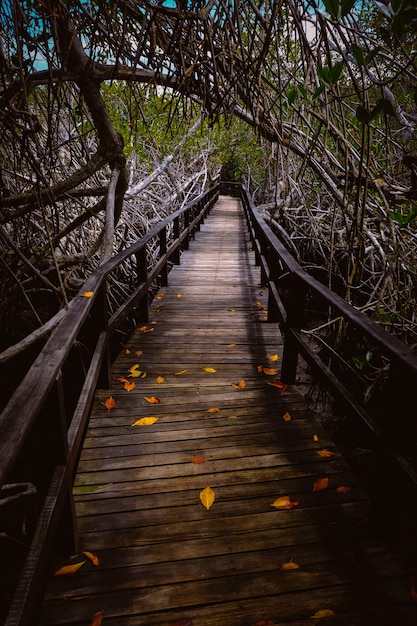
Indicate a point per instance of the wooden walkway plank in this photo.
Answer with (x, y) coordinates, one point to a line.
(165, 560)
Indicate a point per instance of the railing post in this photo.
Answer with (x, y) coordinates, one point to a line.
(143, 304)
(177, 253)
(295, 317)
(162, 252)
(186, 228)
(100, 321)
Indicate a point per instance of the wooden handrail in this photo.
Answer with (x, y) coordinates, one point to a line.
(52, 403)
(391, 424)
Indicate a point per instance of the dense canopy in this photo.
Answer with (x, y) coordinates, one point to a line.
(114, 113)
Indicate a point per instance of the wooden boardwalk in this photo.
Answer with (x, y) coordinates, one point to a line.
(165, 559)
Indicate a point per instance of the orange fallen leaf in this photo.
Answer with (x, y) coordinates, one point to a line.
(231, 345)
(87, 294)
(207, 497)
(152, 399)
(67, 570)
(180, 373)
(343, 489)
(315, 437)
(322, 613)
(159, 379)
(179, 295)
(320, 484)
(122, 380)
(198, 459)
(289, 566)
(240, 385)
(265, 622)
(129, 386)
(146, 421)
(324, 453)
(146, 329)
(287, 417)
(109, 403)
(269, 371)
(97, 619)
(273, 357)
(257, 304)
(127, 351)
(284, 503)
(139, 352)
(232, 310)
(213, 409)
(279, 385)
(210, 370)
(92, 557)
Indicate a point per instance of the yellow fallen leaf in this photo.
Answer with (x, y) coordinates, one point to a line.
(207, 497)
(127, 351)
(269, 371)
(210, 370)
(87, 294)
(320, 484)
(214, 409)
(231, 345)
(287, 417)
(135, 373)
(145, 421)
(322, 613)
(288, 566)
(315, 437)
(232, 417)
(180, 373)
(240, 385)
(152, 399)
(159, 379)
(109, 403)
(129, 386)
(324, 453)
(67, 570)
(284, 503)
(179, 295)
(92, 557)
(273, 357)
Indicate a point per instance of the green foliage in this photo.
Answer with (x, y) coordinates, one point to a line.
(405, 217)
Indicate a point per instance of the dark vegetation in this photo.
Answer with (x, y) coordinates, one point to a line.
(115, 114)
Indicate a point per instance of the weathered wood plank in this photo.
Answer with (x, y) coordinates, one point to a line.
(164, 558)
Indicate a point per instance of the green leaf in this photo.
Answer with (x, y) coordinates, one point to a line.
(359, 362)
(358, 54)
(302, 91)
(383, 106)
(346, 6)
(332, 8)
(292, 96)
(324, 75)
(363, 115)
(336, 72)
(318, 92)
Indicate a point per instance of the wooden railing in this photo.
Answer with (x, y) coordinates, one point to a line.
(43, 425)
(370, 373)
